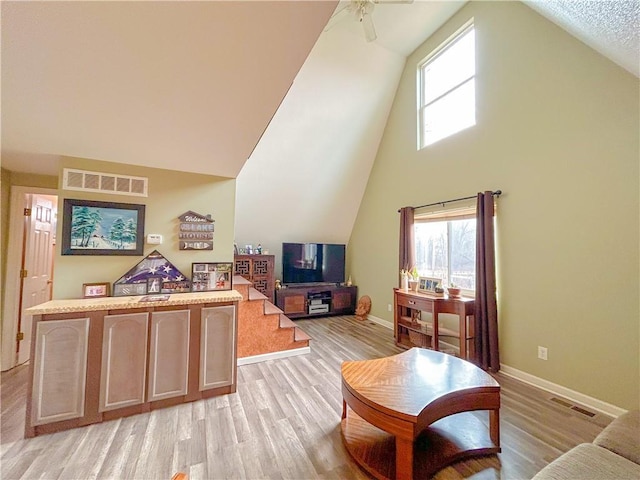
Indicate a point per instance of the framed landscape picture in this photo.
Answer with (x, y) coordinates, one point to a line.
(102, 228)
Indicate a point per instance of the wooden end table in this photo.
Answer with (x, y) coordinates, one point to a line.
(410, 413)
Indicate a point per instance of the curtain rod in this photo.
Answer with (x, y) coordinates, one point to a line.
(497, 193)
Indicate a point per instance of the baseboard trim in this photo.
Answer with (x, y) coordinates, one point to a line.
(380, 321)
(577, 397)
(273, 355)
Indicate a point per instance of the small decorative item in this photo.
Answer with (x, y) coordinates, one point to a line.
(364, 307)
(259, 250)
(248, 249)
(154, 274)
(404, 280)
(208, 277)
(278, 284)
(453, 291)
(428, 284)
(96, 290)
(349, 281)
(102, 228)
(196, 231)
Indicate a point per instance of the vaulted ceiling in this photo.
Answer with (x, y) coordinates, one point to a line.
(193, 85)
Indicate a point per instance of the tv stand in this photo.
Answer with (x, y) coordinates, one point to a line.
(316, 300)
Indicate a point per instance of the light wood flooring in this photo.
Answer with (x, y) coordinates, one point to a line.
(283, 423)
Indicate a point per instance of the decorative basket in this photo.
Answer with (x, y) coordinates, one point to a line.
(417, 338)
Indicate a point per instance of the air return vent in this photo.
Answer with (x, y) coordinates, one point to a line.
(113, 183)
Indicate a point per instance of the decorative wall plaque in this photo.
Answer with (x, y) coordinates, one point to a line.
(196, 231)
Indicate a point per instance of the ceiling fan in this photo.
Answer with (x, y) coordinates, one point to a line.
(362, 10)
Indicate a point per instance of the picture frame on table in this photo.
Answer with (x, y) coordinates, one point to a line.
(96, 290)
(102, 228)
(428, 284)
(210, 277)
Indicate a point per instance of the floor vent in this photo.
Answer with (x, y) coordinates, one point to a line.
(113, 183)
(573, 407)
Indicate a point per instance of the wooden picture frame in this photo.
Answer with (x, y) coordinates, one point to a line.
(102, 228)
(96, 290)
(428, 284)
(208, 277)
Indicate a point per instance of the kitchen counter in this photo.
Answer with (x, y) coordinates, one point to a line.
(119, 303)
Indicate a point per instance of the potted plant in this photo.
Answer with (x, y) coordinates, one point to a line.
(414, 279)
(453, 290)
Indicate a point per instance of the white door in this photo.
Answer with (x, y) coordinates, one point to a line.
(39, 242)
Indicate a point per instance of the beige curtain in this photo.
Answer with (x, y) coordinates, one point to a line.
(486, 314)
(407, 241)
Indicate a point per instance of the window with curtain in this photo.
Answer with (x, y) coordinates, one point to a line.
(445, 246)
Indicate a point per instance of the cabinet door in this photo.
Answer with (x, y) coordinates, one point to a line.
(295, 304)
(124, 360)
(60, 368)
(217, 347)
(343, 300)
(169, 354)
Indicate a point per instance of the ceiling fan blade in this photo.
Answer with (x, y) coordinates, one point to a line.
(369, 29)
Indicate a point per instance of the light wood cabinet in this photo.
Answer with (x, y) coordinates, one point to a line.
(59, 375)
(259, 270)
(217, 347)
(124, 360)
(169, 354)
(101, 359)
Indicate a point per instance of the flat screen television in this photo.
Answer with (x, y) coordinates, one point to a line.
(313, 263)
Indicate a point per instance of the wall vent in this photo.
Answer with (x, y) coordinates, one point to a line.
(113, 183)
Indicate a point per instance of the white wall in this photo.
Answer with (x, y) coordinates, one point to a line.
(305, 179)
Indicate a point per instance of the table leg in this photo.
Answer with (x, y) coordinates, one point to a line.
(462, 330)
(435, 344)
(494, 426)
(404, 459)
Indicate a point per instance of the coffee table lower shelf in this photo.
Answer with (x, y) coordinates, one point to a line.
(444, 442)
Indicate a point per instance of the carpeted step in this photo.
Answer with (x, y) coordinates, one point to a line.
(271, 309)
(256, 295)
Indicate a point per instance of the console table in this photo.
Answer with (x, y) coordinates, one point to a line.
(409, 414)
(410, 331)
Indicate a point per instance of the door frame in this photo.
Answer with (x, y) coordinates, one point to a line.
(11, 281)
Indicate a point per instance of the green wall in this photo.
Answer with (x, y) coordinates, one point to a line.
(557, 132)
(171, 193)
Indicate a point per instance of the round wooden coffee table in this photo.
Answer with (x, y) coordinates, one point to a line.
(409, 413)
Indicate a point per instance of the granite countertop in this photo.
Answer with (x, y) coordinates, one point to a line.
(113, 303)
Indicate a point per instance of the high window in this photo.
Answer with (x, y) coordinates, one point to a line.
(447, 96)
(445, 245)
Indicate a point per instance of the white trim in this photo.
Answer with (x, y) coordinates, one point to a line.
(273, 355)
(582, 399)
(380, 321)
(11, 281)
(577, 397)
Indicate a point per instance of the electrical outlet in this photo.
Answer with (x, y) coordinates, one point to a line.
(542, 353)
(389, 307)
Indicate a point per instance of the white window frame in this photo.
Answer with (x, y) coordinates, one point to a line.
(466, 212)
(422, 105)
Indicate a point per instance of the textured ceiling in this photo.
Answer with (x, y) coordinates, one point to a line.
(609, 27)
